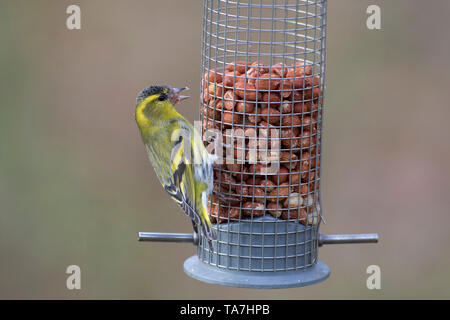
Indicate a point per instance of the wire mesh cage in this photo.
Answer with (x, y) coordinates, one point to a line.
(261, 102)
(263, 76)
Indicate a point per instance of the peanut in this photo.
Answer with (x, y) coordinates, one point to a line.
(259, 67)
(308, 176)
(293, 201)
(217, 213)
(254, 180)
(282, 175)
(286, 107)
(294, 214)
(258, 169)
(270, 115)
(253, 209)
(302, 69)
(279, 69)
(258, 194)
(286, 87)
(274, 209)
(280, 193)
(204, 96)
(311, 93)
(296, 80)
(210, 111)
(271, 98)
(230, 118)
(247, 91)
(242, 190)
(267, 82)
(306, 106)
(288, 160)
(230, 78)
(312, 81)
(307, 139)
(241, 66)
(291, 121)
(213, 76)
(254, 118)
(245, 107)
(267, 184)
(289, 137)
(229, 100)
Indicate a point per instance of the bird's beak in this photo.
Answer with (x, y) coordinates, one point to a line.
(176, 97)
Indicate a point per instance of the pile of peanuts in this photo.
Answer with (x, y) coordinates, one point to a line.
(269, 104)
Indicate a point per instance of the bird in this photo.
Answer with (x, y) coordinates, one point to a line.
(176, 151)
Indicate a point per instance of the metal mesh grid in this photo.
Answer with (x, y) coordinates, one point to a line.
(270, 111)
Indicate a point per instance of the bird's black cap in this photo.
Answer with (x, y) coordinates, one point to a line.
(147, 92)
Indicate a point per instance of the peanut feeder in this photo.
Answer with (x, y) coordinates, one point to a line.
(261, 109)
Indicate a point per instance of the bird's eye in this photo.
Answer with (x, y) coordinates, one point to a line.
(162, 97)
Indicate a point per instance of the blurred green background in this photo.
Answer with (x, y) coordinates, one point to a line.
(76, 186)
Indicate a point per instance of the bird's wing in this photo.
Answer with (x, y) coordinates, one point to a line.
(188, 178)
(181, 184)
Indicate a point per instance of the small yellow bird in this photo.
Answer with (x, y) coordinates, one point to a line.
(177, 153)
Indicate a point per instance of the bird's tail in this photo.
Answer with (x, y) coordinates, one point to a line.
(207, 229)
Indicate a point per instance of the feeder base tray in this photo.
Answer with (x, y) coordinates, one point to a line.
(196, 269)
